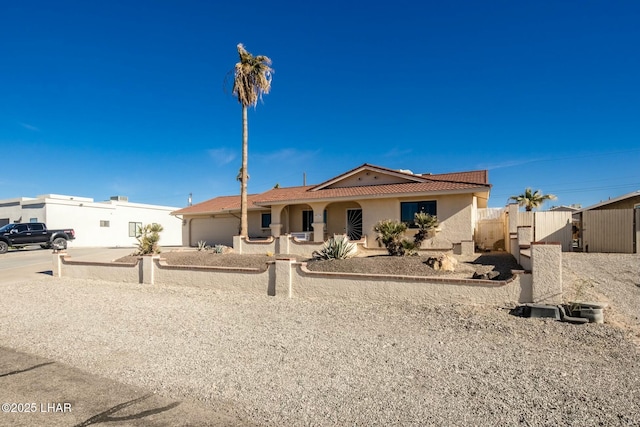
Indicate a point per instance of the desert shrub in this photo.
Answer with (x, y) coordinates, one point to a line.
(409, 247)
(390, 236)
(425, 223)
(218, 249)
(337, 247)
(202, 245)
(148, 237)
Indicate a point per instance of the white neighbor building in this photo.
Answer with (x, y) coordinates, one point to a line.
(101, 224)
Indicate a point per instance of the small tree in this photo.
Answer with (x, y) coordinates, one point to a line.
(390, 235)
(148, 237)
(425, 223)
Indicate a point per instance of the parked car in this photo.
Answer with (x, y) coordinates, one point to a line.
(33, 234)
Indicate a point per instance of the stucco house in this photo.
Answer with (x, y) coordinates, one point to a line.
(350, 203)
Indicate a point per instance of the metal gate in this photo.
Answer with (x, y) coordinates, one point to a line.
(354, 224)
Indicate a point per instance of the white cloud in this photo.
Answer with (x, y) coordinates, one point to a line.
(507, 164)
(222, 156)
(29, 127)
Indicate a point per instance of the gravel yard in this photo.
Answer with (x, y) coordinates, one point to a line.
(294, 362)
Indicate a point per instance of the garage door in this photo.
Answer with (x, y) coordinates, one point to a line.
(214, 231)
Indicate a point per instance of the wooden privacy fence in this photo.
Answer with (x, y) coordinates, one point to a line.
(611, 230)
(547, 226)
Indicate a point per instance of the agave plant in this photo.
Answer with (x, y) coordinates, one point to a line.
(202, 245)
(337, 247)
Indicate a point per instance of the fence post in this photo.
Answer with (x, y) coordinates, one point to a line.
(546, 268)
(57, 263)
(147, 266)
(283, 278)
(237, 244)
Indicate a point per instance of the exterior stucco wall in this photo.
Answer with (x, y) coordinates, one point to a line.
(454, 212)
(254, 219)
(294, 214)
(374, 211)
(337, 217)
(84, 216)
(247, 280)
(85, 219)
(287, 278)
(64, 266)
(422, 290)
(546, 265)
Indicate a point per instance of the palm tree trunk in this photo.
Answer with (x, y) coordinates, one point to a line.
(244, 224)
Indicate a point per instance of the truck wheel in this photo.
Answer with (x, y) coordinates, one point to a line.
(59, 243)
(4, 247)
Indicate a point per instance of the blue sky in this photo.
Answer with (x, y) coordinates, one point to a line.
(128, 97)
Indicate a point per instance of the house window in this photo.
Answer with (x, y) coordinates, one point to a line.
(307, 220)
(104, 223)
(133, 228)
(265, 222)
(408, 210)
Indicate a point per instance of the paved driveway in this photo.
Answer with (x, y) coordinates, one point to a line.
(33, 262)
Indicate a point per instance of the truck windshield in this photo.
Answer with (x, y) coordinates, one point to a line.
(6, 228)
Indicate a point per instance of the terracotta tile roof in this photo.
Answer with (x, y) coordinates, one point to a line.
(476, 177)
(422, 183)
(303, 194)
(218, 204)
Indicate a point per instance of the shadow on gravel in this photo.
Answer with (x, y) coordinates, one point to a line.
(25, 370)
(502, 262)
(105, 417)
(47, 272)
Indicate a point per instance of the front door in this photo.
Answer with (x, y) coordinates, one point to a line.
(354, 224)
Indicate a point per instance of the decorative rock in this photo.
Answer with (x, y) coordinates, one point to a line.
(442, 262)
(491, 275)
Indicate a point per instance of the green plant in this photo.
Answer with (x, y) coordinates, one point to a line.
(218, 249)
(202, 245)
(425, 223)
(148, 237)
(390, 236)
(409, 247)
(252, 79)
(531, 199)
(337, 247)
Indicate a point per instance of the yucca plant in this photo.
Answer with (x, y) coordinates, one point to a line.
(148, 237)
(425, 223)
(390, 235)
(337, 247)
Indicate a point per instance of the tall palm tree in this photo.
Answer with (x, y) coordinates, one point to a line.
(532, 199)
(252, 79)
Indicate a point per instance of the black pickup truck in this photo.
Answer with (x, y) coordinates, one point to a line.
(33, 234)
